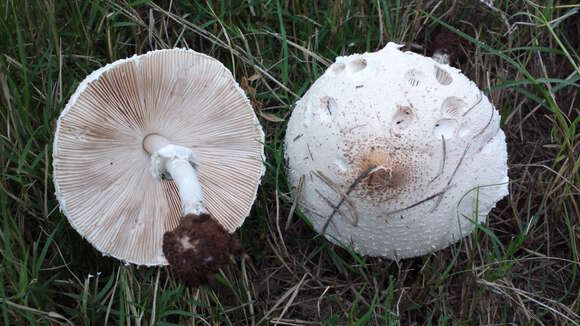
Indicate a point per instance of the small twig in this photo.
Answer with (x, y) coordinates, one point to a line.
(417, 203)
(438, 194)
(310, 152)
(320, 300)
(442, 167)
(329, 203)
(328, 107)
(450, 178)
(486, 126)
(342, 194)
(458, 164)
(474, 105)
(361, 177)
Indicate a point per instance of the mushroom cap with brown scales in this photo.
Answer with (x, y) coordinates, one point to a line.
(400, 155)
(103, 175)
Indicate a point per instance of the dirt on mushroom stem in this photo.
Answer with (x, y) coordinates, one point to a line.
(198, 247)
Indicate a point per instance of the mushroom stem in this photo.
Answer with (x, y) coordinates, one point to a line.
(154, 142)
(183, 174)
(179, 163)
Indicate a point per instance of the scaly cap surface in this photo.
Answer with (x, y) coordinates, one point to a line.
(427, 137)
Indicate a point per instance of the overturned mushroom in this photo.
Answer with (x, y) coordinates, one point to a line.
(146, 140)
(400, 155)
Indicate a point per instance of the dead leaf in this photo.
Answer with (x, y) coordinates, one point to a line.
(271, 117)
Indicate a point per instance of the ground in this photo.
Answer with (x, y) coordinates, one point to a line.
(519, 268)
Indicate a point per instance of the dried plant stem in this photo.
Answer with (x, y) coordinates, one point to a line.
(360, 178)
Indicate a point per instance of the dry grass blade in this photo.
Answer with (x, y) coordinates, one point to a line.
(154, 308)
(350, 188)
(451, 178)
(569, 316)
(278, 225)
(308, 52)
(112, 296)
(238, 52)
(54, 316)
(343, 197)
(292, 292)
(443, 158)
(297, 194)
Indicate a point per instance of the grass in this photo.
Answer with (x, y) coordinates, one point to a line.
(519, 268)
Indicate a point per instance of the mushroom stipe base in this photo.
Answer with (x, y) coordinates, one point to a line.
(198, 247)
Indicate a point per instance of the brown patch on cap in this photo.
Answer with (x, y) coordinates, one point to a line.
(394, 169)
(382, 177)
(197, 248)
(388, 177)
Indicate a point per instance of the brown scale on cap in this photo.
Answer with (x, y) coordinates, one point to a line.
(197, 248)
(388, 178)
(394, 169)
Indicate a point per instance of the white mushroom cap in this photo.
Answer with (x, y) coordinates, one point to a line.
(427, 139)
(102, 174)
